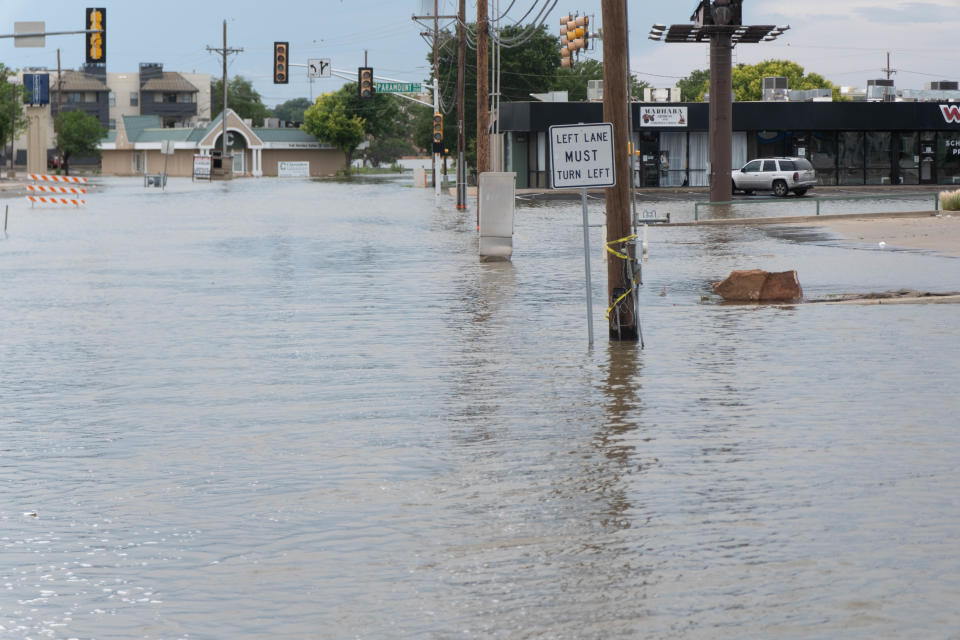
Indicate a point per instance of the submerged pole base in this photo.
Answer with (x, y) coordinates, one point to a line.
(623, 322)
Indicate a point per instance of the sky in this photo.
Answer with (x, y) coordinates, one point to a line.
(846, 41)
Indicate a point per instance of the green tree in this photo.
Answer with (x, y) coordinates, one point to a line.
(242, 98)
(387, 150)
(12, 115)
(78, 134)
(694, 85)
(530, 67)
(328, 120)
(382, 115)
(292, 110)
(748, 78)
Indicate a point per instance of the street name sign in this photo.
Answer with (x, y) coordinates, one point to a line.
(399, 87)
(582, 156)
(319, 68)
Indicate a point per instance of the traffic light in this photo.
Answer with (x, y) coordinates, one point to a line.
(281, 62)
(96, 41)
(565, 59)
(437, 128)
(365, 82)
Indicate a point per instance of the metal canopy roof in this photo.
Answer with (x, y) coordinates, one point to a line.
(692, 33)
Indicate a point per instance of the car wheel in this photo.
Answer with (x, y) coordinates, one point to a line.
(780, 189)
(734, 186)
(800, 192)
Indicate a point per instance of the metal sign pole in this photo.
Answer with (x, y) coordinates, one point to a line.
(586, 264)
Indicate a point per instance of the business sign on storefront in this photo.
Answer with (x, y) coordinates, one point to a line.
(293, 169)
(951, 113)
(201, 167)
(663, 116)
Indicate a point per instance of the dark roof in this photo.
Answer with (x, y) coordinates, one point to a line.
(169, 81)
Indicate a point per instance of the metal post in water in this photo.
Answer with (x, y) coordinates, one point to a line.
(586, 264)
(6, 212)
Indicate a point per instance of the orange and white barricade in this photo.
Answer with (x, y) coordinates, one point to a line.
(52, 199)
(39, 177)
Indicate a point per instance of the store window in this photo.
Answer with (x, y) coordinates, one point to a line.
(134, 99)
(851, 158)
(948, 158)
(909, 161)
(878, 157)
(822, 154)
(673, 159)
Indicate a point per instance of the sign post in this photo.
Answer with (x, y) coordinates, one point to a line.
(582, 157)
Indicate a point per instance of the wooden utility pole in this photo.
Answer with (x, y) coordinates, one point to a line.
(59, 110)
(483, 89)
(721, 117)
(623, 323)
(461, 105)
(436, 87)
(224, 52)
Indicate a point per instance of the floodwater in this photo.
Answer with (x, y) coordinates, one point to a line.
(304, 409)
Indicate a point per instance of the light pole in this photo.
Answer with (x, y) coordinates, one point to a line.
(720, 22)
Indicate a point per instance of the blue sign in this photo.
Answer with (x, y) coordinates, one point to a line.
(37, 86)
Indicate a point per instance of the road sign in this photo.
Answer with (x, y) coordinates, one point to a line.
(319, 68)
(582, 156)
(399, 87)
(29, 27)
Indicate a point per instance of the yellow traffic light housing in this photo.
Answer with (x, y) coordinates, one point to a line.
(365, 85)
(281, 62)
(96, 41)
(437, 128)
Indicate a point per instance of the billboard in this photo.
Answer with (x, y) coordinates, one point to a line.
(97, 41)
(37, 88)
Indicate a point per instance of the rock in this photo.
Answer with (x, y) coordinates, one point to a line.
(756, 285)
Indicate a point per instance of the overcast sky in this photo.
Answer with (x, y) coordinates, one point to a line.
(844, 40)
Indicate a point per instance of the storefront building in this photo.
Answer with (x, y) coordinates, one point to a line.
(849, 143)
(135, 148)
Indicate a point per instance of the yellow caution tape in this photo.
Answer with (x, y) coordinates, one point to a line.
(622, 256)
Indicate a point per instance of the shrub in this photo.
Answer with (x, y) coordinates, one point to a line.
(950, 200)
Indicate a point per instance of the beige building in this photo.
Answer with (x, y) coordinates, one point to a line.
(135, 148)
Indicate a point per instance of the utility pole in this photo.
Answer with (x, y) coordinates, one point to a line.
(436, 93)
(224, 52)
(721, 116)
(483, 89)
(59, 111)
(461, 100)
(623, 321)
(888, 70)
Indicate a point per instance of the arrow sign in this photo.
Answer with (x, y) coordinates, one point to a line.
(319, 68)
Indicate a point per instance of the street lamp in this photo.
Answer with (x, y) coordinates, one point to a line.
(720, 22)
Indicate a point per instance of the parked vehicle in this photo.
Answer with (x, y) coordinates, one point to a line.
(779, 175)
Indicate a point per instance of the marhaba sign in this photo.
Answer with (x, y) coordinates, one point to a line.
(663, 116)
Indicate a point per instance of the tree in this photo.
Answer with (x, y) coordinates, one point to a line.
(327, 120)
(381, 114)
(242, 98)
(78, 134)
(387, 150)
(292, 110)
(530, 67)
(748, 79)
(694, 85)
(12, 115)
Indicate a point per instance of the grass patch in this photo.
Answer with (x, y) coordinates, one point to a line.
(950, 200)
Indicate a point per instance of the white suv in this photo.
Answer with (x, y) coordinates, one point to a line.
(780, 175)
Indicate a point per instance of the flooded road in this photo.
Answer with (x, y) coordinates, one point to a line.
(302, 409)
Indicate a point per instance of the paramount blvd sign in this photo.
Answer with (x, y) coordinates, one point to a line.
(582, 156)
